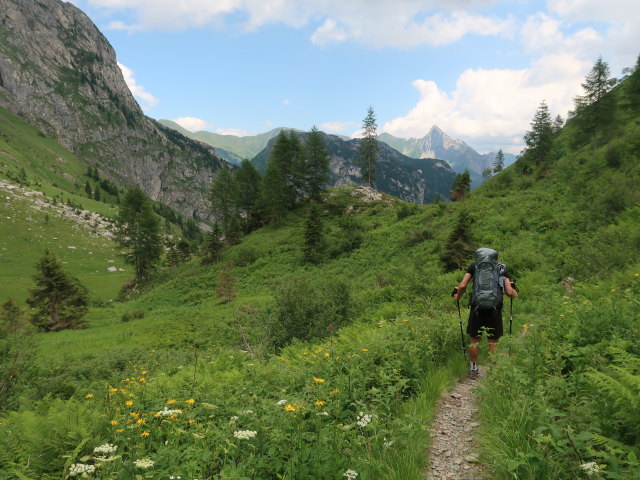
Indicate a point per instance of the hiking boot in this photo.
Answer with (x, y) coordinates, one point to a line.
(473, 374)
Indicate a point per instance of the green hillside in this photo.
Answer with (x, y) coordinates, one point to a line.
(178, 382)
(47, 207)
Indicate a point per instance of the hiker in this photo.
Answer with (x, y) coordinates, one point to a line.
(490, 281)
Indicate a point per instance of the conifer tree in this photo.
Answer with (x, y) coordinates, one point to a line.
(224, 200)
(10, 317)
(87, 189)
(498, 163)
(138, 233)
(369, 148)
(558, 123)
(249, 184)
(539, 140)
(317, 163)
(59, 300)
(461, 186)
(213, 245)
(313, 236)
(96, 193)
(460, 245)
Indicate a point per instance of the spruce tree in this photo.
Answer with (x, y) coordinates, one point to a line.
(313, 236)
(58, 300)
(369, 148)
(213, 245)
(10, 318)
(96, 193)
(539, 140)
(224, 201)
(317, 163)
(87, 189)
(249, 183)
(498, 163)
(461, 186)
(460, 245)
(138, 233)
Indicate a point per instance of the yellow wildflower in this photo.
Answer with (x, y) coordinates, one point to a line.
(113, 422)
(192, 420)
(171, 401)
(282, 359)
(327, 354)
(191, 401)
(113, 390)
(335, 390)
(318, 380)
(364, 349)
(405, 319)
(145, 434)
(525, 327)
(320, 403)
(141, 421)
(636, 274)
(562, 314)
(337, 358)
(134, 414)
(142, 380)
(289, 408)
(89, 395)
(128, 403)
(144, 372)
(305, 353)
(120, 430)
(318, 350)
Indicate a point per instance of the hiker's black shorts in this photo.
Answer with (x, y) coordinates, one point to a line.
(490, 319)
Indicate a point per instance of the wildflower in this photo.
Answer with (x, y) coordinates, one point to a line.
(350, 474)
(334, 391)
(525, 327)
(327, 354)
(318, 380)
(323, 413)
(234, 418)
(111, 458)
(120, 430)
(364, 349)
(142, 380)
(405, 319)
(145, 433)
(282, 359)
(281, 402)
(165, 412)
(89, 395)
(590, 468)
(81, 469)
(144, 372)
(387, 443)
(613, 290)
(337, 358)
(192, 420)
(113, 390)
(105, 449)
(305, 353)
(171, 402)
(191, 401)
(289, 408)
(636, 274)
(320, 403)
(244, 434)
(113, 422)
(364, 420)
(134, 414)
(128, 403)
(246, 412)
(141, 421)
(562, 315)
(318, 350)
(144, 463)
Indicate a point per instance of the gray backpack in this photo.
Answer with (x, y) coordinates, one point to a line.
(487, 289)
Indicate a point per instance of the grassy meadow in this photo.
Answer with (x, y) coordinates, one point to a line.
(178, 382)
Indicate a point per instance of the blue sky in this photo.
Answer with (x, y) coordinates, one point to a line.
(476, 68)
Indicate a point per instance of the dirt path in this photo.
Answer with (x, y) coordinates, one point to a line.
(453, 454)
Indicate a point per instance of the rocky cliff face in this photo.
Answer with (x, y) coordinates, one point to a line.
(410, 179)
(60, 73)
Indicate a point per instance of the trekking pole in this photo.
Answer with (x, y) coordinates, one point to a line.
(464, 355)
(513, 285)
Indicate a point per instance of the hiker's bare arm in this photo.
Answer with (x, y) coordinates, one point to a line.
(511, 292)
(463, 286)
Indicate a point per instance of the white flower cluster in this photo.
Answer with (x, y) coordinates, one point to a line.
(244, 434)
(364, 420)
(246, 412)
(350, 474)
(105, 449)
(174, 477)
(281, 402)
(387, 443)
(590, 468)
(144, 463)
(81, 469)
(167, 413)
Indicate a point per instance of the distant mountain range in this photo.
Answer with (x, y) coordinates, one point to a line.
(435, 144)
(410, 179)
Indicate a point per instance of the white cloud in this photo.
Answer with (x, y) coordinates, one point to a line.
(192, 124)
(492, 109)
(145, 99)
(335, 127)
(237, 132)
(286, 101)
(398, 23)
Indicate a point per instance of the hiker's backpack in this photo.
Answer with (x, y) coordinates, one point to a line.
(487, 290)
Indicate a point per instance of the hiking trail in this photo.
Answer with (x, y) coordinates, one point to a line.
(453, 453)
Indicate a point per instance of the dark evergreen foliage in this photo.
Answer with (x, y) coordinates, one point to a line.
(369, 149)
(138, 233)
(316, 164)
(462, 186)
(460, 245)
(313, 235)
(58, 300)
(539, 140)
(249, 183)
